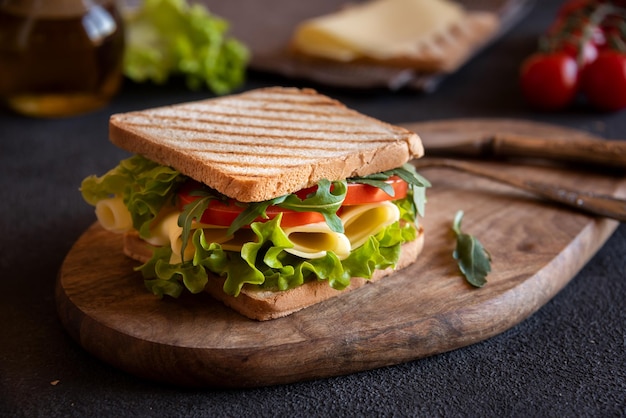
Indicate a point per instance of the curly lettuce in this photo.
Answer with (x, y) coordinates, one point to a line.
(144, 186)
(171, 37)
(147, 187)
(264, 263)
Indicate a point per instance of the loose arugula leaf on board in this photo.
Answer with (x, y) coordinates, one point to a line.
(474, 260)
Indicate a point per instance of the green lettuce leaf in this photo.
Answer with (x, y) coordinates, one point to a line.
(172, 37)
(144, 186)
(266, 264)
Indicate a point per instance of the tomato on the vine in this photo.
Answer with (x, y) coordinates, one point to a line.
(604, 81)
(593, 34)
(549, 81)
(584, 52)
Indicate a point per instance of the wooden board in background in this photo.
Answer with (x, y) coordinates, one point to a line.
(423, 310)
(267, 30)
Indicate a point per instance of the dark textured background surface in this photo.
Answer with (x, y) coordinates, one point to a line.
(569, 359)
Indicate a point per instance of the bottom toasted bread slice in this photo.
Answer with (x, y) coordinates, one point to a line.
(260, 304)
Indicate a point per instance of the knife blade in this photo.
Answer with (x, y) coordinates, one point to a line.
(499, 139)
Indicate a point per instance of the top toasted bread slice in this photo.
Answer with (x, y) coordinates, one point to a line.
(265, 143)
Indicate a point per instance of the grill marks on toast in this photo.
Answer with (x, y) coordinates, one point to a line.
(258, 135)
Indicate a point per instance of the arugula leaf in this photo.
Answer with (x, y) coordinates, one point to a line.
(406, 172)
(195, 210)
(375, 182)
(474, 261)
(417, 184)
(171, 37)
(251, 212)
(324, 201)
(191, 211)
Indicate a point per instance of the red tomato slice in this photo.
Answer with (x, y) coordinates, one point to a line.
(359, 194)
(224, 213)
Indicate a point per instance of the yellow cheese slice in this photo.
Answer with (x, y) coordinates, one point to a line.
(362, 221)
(113, 215)
(234, 242)
(314, 240)
(212, 233)
(310, 241)
(379, 29)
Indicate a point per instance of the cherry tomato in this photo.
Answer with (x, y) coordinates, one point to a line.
(576, 44)
(224, 213)
(549, 81)
(604, 81)
(584, 53)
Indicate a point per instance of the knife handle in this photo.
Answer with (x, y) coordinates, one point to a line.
(590, 151)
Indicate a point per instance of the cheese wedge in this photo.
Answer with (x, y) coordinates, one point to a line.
(379, 29)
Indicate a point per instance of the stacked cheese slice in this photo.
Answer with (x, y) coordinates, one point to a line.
(309, 241)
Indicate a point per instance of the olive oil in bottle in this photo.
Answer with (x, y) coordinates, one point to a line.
(59, 57)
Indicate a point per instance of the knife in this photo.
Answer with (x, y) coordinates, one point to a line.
(594, 203)
(506, 139)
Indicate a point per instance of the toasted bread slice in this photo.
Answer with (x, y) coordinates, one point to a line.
(263, 305)
(265, 143)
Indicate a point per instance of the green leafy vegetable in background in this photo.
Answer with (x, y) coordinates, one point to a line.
(171, 37)
(474, 261)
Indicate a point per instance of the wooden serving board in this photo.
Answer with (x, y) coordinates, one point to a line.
(423, 310)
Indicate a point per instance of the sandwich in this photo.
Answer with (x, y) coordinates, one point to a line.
(271, 200)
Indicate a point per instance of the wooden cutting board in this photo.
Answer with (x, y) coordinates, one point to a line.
(423, 310)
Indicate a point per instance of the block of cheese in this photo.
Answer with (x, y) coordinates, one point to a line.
(425, 34)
